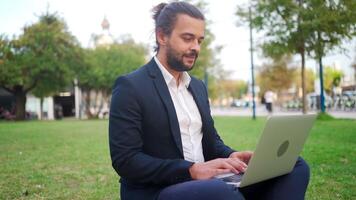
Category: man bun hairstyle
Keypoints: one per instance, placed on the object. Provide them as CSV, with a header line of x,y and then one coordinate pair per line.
x,y
165,16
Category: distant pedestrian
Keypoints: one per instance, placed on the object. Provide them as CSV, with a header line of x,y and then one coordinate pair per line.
x,y
269,98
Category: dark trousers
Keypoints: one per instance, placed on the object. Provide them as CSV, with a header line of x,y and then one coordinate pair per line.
x,y
269,107
290,186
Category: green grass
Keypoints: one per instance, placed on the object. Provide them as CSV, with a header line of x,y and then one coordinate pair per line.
x,y
70,159
324,116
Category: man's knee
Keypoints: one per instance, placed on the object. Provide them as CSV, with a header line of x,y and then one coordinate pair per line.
x,y
303,167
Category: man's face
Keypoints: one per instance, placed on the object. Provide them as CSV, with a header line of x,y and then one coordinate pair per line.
x,y
183,44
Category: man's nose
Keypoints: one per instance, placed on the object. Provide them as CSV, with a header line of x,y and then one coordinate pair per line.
x,y
196,46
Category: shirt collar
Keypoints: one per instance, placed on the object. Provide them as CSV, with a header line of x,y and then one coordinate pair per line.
x,y
168,77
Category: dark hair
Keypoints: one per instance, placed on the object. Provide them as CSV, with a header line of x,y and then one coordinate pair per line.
x,y
165,16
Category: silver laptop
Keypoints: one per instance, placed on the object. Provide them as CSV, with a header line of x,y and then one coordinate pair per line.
x,y
277,151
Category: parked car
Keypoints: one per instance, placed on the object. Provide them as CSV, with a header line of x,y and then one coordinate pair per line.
x,y
239,103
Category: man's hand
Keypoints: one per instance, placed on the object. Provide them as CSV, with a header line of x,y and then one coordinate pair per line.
x,y
244,156
215,167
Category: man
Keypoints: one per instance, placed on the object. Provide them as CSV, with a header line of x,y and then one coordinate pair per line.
x,y
163,142
269,98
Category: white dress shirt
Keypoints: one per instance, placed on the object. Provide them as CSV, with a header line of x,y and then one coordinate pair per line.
x,y
188,115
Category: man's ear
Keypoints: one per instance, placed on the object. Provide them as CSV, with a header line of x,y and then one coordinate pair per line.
x,y
161,37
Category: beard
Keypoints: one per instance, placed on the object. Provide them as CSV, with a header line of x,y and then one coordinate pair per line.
x,y
175,59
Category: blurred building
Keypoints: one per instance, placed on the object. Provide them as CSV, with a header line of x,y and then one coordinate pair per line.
x,y
104,38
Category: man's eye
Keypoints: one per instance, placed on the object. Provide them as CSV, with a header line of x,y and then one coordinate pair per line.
x,y
187,39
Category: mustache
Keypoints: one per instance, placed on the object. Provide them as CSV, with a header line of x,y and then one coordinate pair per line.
x,y
191,54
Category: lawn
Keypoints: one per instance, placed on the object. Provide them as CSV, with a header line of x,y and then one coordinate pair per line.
x,y
70,159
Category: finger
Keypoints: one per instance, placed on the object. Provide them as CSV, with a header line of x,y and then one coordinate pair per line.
x,y
238,164
248,156
224,164
238,161
245,157
221,171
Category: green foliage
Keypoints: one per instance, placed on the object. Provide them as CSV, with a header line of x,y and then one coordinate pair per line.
x,y
6,54
39,60
279,20
332,78
216,74
277,75
291,26
329,23
241,89
104,64
41,54
207,60
282,22
309,80
232,88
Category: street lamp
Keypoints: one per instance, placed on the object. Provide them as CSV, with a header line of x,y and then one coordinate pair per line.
x,y
252,68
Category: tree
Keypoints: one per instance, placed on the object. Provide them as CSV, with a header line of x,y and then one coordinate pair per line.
x,y
41,57
332,79
283,24
309,80
103,65
216,75
207,63
276,75
295,26
280,76
333,22
233,88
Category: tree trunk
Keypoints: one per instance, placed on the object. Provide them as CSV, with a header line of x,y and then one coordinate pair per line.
x,y
354,65
20,96
304,100
96,106
301,50
101,104
87,103
41,109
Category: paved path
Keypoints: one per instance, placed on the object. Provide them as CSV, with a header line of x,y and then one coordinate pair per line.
x,y
261,111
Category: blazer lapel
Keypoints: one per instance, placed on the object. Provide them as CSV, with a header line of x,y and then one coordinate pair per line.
x,y
165,96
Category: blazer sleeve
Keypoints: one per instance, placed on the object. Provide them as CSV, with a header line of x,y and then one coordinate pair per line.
x,y
126,144
220,149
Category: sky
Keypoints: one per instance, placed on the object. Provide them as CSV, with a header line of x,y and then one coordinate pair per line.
x,y
133,17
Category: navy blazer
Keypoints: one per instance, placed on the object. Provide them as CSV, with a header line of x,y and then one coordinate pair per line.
x,y
144,135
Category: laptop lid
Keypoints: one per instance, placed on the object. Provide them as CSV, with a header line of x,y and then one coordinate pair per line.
x,y
278,149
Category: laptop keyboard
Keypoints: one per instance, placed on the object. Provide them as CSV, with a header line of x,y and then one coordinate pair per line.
x,y
233,178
